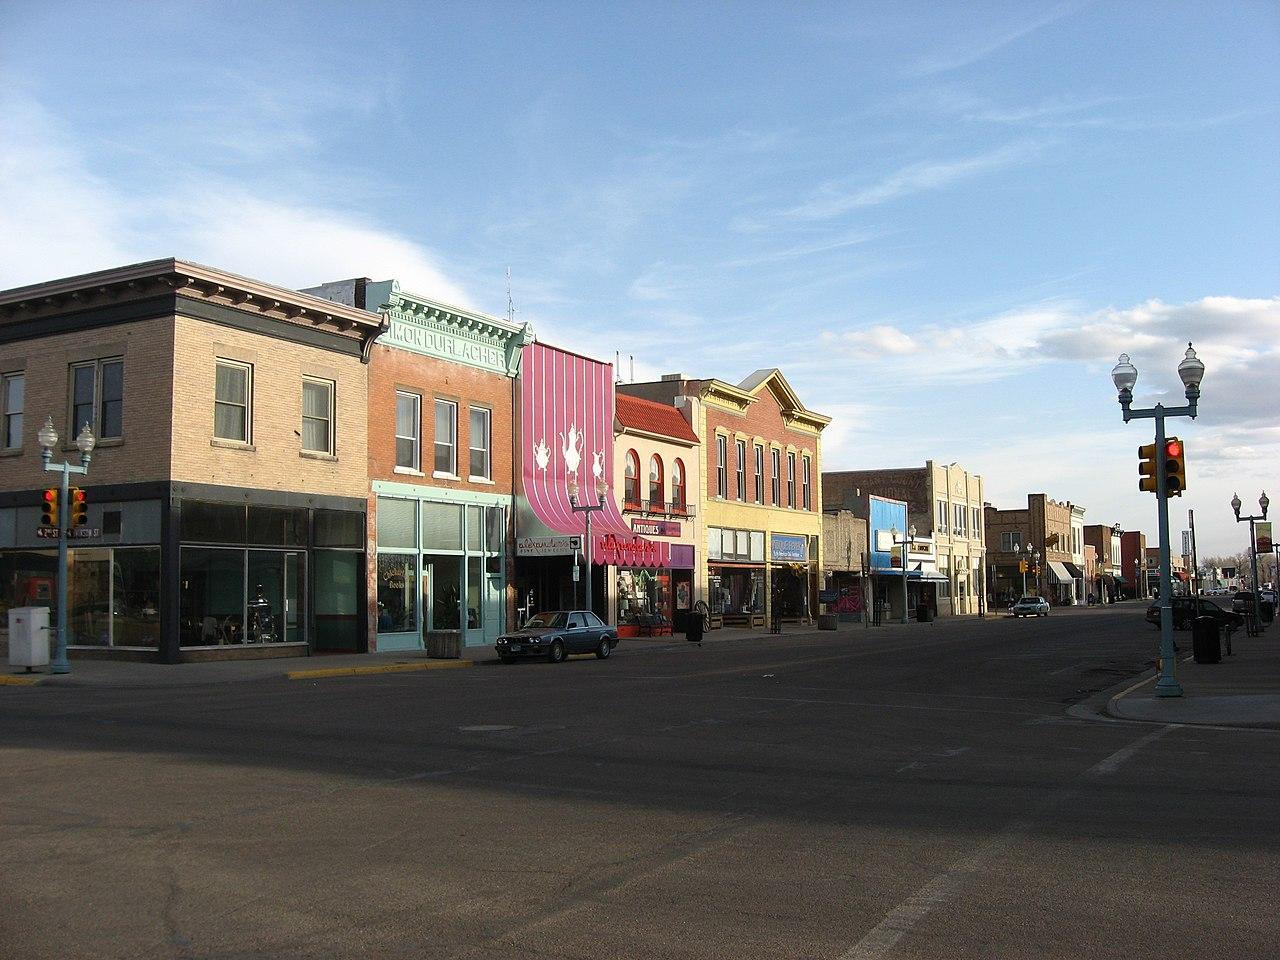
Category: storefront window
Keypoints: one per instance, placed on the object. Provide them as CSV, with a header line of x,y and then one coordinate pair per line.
x,y
212,583
273,609
441,526
475,593
739,591
89,598
397,593
336,599
340,528
475,529
277,526
497,534
397,522
446,591
29,578
135,586
204,522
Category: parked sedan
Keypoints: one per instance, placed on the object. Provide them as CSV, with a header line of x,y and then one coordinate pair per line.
x,y
1030,607
1186,609
555,634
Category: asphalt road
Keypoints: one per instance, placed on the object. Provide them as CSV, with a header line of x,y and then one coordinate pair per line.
x,y
907,792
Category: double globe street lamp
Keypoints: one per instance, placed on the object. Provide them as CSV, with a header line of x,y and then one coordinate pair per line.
x,y
1125,375
905,543
1263,502
48,439
1032,561
602,491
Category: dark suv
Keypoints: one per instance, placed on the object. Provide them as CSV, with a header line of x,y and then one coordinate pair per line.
x,y
1186,609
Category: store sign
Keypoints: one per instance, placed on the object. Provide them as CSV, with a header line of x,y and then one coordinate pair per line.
x,y
612,550
548,546
421,336
656,528
789,548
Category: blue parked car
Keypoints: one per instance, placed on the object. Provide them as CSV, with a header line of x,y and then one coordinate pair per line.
x,y
555,634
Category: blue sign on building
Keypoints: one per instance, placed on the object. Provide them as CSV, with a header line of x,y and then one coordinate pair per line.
x,y
885,516
789,548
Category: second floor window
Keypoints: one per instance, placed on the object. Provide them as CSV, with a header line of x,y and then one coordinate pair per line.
x,y
97,398
722,469
759,477
408,407
317,416
479,443
631,480
1010,541
446,437
12,398
232,392
791,479
959,520
777,478
655,481
977,525
805,484
677,486
741,450
942,516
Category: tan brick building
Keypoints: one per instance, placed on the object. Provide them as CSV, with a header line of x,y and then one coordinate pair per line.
x,y
227,489
440,469
1045,527
760,460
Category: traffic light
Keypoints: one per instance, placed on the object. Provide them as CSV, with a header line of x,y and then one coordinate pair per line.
x,y
79,509
49,508
1175,468
1147,468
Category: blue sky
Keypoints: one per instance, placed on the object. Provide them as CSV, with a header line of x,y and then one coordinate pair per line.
x,y
943,221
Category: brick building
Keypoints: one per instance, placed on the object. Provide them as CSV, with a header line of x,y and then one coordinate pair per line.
x,y
760,460
1045,526
1133,561
1109,582
440,469
945,502
227,489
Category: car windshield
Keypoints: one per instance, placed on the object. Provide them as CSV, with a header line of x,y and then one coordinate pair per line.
x,y
1029,600
548,620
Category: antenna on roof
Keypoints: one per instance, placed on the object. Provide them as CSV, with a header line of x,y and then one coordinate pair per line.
x,y
511,304
632,358
617,367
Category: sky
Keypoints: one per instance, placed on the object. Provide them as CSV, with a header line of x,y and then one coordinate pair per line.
x,y
942,221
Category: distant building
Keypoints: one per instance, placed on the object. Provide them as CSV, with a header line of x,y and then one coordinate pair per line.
x,y
1046,527
1109,582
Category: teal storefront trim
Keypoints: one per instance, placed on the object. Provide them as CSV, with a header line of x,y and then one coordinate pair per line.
x,y
441,564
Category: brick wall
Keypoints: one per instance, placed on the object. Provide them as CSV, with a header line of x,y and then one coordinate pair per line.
x,y
391,369
274,459
910,484
143,453
762,421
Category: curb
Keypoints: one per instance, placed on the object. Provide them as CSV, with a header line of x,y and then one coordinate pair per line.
x,y
326,672
8,680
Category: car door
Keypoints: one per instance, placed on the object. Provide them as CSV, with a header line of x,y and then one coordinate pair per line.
x,y
596,630
575,633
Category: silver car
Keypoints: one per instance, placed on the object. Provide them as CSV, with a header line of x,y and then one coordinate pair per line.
x,y
1030,607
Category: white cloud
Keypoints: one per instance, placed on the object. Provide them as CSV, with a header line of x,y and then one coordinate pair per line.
x,y
58,217
834,199
971,46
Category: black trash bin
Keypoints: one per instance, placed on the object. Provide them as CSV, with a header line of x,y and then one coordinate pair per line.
x,y
924,613
1206,640
1266,611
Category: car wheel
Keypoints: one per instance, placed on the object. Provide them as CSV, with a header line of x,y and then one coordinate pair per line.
x,y
557,652
604,650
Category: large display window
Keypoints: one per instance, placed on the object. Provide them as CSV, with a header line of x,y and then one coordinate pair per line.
x,y
644,602
232,596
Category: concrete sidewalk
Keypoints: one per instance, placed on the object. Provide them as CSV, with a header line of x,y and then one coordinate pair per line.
x,y
121,674
1241,691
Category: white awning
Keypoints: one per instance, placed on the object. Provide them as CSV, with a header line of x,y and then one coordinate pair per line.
x,y
1059,573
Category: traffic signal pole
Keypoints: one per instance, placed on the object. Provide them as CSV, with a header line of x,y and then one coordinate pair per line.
x,y
1167,685
60,663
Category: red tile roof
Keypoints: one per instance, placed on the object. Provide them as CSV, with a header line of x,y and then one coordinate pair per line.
x,y
636,413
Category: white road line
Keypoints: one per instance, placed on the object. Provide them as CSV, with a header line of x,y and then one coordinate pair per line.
x,y
881,939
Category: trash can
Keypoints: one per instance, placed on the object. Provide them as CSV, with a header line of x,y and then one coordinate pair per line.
x,y
1266,610
1206,642
924,614
827,621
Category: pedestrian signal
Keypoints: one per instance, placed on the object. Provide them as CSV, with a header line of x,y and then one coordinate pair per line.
x,y
79,509
1175,468
1147,468
49,508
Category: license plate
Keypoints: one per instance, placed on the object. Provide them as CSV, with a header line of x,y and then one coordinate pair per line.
x,y
515,648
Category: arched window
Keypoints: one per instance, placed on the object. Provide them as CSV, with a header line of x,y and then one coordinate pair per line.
x,y
677,486
655,482
631,490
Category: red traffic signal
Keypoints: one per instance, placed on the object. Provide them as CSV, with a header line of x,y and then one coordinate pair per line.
x,y
79,509
1175,467
49,508
1173,447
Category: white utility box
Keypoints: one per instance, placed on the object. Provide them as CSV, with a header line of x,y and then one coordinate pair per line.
x,y
29,637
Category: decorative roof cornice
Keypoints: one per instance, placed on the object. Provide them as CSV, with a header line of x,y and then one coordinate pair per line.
x,y
191,280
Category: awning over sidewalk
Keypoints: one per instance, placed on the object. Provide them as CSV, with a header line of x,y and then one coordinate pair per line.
x,y
1076,572
1059,573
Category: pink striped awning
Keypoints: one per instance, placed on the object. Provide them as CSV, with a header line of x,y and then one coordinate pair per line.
x,y
566,439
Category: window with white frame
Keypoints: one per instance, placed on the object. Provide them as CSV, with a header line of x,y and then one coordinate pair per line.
x,y
446,442
805,486
232,396
791,480
97,398
759,477
1010,540
722,469
12,401
317,415
740,448
479,443
977,524
942,516
777,478
408,437
958,513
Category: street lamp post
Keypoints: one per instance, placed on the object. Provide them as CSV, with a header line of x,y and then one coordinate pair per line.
x,y
1263,502
602,490
1125,376
905,543
48,438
